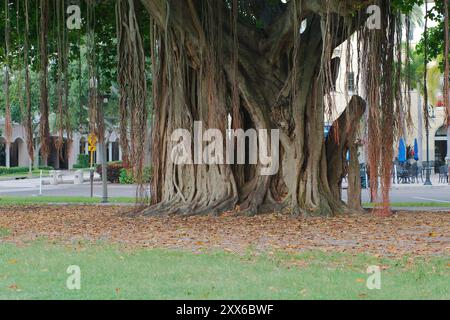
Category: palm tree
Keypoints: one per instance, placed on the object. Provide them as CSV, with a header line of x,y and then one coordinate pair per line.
x,y
415,75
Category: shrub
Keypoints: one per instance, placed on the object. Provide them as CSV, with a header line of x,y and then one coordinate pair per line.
x,y
13,170
82,161
19,170
113,170
126,176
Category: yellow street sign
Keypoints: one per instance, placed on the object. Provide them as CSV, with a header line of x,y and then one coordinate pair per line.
x,y
92,140
92,148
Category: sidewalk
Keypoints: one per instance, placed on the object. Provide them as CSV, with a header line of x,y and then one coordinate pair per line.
x,y
420,184
434,181
33,183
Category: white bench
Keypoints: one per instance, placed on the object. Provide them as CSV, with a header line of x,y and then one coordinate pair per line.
x,y
56,177
79,177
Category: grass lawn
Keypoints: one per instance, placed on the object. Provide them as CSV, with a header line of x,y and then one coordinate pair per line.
x,y
11,200
17,201
37,270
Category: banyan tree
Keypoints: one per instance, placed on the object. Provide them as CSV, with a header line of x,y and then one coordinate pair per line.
x,y
229,66
270,65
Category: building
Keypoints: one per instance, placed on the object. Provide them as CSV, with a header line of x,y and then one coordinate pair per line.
x,y
15,153
348,85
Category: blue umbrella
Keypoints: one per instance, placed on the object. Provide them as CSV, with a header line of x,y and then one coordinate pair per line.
x,y
402,151
416,150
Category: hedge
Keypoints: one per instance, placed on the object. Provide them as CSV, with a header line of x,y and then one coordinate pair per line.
x,y
15,170
82,162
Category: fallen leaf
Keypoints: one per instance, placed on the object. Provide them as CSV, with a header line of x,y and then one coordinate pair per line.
x,y
14,287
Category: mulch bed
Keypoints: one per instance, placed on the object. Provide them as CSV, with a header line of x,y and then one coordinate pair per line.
x,y
405,233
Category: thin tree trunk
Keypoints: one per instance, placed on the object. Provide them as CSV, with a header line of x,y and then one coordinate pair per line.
x,y
28,116
8,123
44,128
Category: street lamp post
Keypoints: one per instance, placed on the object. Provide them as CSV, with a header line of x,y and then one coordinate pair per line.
x,y
425,93
428,168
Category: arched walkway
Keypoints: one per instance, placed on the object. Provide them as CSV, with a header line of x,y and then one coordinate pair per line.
x,y
58,160
2,152
18,156
440,145
82,148
112,148
15,153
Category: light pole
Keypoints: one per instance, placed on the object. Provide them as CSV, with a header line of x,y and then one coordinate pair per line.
x,y
428,168
425,93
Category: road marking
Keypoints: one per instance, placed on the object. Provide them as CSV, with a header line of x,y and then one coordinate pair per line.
x,y
434,200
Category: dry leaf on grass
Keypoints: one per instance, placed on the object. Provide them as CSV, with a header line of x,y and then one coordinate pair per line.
x,y
417,234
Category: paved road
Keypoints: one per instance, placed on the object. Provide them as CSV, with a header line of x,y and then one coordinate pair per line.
x,y
438,193
30,187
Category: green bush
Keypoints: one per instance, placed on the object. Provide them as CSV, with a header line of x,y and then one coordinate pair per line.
x,y
20,170
82,162
126,176
13,170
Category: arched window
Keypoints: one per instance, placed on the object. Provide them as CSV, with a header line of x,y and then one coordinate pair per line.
x,y
441,132
83,146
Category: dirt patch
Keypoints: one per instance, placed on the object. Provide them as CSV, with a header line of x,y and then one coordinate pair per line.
x,y
418,234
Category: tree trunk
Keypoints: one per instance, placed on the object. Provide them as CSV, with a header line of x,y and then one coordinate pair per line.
x,y
354,180
193,82
28,121
446,78
342,139
44,130
8,122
